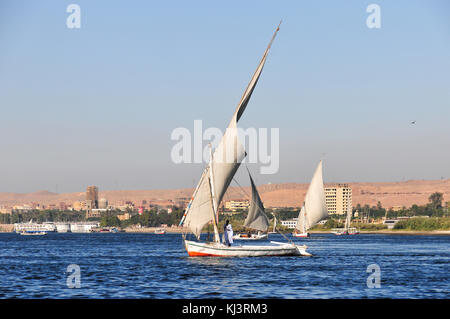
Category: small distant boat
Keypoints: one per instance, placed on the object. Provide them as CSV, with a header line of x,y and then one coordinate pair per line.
x,y
250,236
347,230
33,233
339,231
314,207
159,231
343,231
300,235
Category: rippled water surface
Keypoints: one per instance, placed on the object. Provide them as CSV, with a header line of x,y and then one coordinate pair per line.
x,y
156,266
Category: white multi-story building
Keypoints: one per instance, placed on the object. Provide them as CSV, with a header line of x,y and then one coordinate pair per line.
x,y
235,205
338,199
290,223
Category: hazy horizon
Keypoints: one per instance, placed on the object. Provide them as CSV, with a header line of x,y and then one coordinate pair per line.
x,y
232,185
97,105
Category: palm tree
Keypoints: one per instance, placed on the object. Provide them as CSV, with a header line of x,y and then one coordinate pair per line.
x,y
436,200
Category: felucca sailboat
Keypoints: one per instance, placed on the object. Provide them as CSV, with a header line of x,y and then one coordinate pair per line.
x,y
314,208
347,230
256,217
213,184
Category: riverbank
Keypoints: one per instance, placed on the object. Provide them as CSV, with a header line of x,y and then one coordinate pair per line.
x,y
169,230
393,232
8,228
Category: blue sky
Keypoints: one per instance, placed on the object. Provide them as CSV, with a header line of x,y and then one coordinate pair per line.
x,y
97,105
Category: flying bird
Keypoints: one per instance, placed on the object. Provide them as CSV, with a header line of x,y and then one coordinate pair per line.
x,y
413,122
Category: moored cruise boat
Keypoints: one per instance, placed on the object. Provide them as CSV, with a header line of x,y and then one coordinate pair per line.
x,y
83,227
62,227
31,227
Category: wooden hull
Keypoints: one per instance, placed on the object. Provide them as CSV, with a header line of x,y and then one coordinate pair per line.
x,y
201,249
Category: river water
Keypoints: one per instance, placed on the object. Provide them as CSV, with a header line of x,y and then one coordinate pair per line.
x,y
125,265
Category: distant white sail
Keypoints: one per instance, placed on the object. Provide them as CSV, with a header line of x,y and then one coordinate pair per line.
x,y
348,218
302,226
256,217
314,209
225,161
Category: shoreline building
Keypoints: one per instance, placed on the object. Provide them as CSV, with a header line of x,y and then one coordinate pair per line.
x,y
290,223
92,195
338,199
235,205
92,202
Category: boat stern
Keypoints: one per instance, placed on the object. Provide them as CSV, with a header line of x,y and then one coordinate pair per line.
x,y
302,250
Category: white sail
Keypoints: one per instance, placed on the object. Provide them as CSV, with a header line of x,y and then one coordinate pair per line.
x,y
314,208
348,217
256,217
225,162
301,221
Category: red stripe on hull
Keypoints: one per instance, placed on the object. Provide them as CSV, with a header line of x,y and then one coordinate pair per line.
x,y
197,254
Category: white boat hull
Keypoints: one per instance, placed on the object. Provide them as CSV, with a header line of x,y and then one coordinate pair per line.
x,y
202,249
342,231
252,237
33,233
300,235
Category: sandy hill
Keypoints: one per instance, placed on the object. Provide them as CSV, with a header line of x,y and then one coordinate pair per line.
x,y
274,195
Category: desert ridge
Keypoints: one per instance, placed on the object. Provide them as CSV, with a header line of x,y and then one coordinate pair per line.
x,y
389,194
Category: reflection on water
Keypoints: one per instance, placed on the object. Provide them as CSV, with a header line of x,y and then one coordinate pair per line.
x,y
154,266
210,261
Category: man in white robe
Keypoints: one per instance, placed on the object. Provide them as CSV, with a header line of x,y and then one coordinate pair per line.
x,y
228,233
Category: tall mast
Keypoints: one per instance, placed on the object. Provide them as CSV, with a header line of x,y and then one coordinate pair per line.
x,y
304,218
213,196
